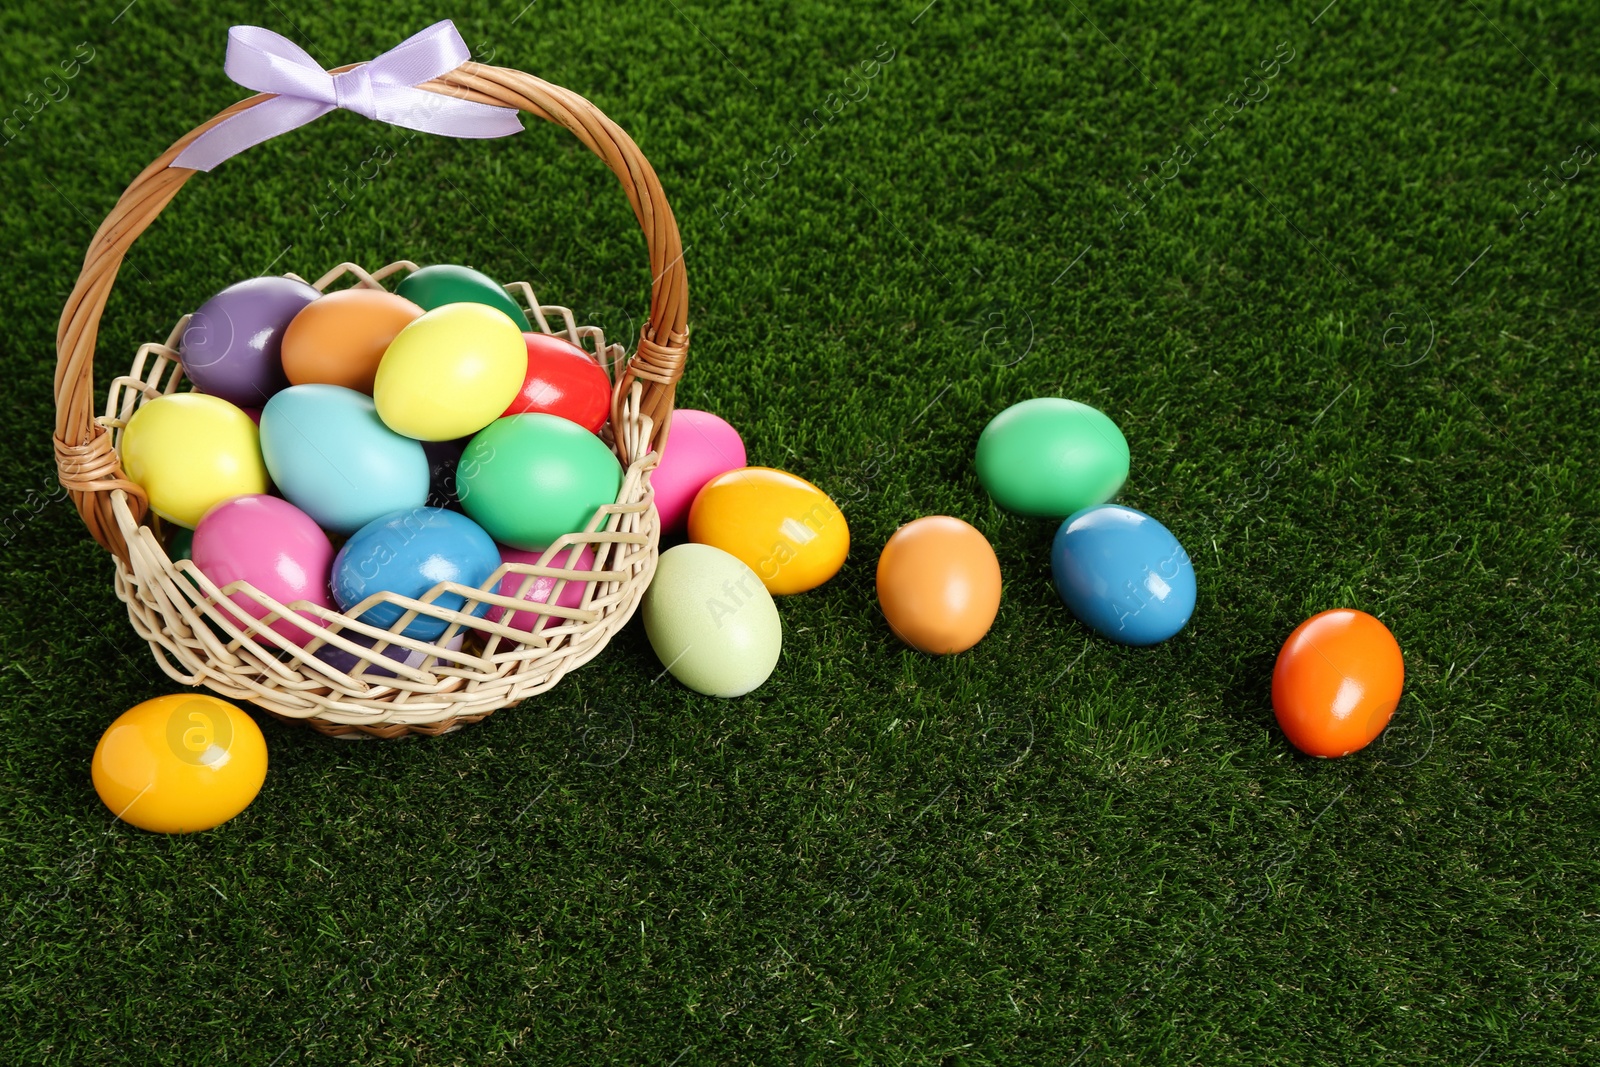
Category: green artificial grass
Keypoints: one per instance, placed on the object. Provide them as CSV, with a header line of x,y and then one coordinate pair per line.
x,y
1351,349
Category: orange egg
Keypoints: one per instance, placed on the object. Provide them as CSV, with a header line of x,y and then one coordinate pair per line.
x,y
939,584
1337,682
340,338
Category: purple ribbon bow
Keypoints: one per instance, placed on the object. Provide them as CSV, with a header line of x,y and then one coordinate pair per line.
x,y
384,89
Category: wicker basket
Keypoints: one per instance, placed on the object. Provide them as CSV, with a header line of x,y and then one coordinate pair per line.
x,y
198,634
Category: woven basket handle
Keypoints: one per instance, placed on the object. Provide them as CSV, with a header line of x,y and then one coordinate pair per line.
x,y
87,465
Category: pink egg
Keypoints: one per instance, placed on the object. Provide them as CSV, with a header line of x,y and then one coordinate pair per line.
x,y
275,547
699,447
539,592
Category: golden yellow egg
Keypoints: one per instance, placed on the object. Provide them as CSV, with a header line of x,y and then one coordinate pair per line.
x,y
784,528
180,763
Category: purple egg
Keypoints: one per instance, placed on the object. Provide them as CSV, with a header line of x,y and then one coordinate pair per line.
x,y
340,660
232,345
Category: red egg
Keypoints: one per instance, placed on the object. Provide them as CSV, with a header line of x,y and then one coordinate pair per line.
x,y
563,380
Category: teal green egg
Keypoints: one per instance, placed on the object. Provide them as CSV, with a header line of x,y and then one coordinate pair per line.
x,y
1051,457
444,283
530,478
711,621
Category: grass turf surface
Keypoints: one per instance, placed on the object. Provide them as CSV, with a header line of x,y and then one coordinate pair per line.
x,y
1352,371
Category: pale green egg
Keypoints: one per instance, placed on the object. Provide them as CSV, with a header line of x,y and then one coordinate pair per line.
x,y
711,621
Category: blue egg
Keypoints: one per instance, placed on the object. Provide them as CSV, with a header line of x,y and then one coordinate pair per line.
x,y
332,457
409,552
1123,574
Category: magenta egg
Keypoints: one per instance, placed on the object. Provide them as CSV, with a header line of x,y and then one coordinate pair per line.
x,y
699,447
275,547
578,557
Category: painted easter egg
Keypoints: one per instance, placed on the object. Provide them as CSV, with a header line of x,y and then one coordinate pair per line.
x,y
699,447
528,479
1123,574
1051,457
334,459
711,622
358,668
939,584
408,553
1337,681
232,346
180,763
450,373
784,528
340,339
537,589
191,451
562,379
443,283
274,546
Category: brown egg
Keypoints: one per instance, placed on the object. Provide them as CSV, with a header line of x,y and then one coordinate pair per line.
x,y
339,338
939,584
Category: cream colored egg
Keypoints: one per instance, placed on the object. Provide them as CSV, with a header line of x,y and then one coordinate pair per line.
x,y
711,621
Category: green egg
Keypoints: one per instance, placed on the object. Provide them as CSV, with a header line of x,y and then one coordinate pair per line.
x,y
1051,457
442,284
711,622
530,478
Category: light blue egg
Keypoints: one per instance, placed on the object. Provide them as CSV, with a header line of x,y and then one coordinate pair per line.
x,y
1123,574
332,457
409,552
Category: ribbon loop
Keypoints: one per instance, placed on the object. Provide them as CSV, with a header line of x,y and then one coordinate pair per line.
x,y
384,89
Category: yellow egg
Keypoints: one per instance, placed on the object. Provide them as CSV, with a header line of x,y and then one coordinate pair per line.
x,y
189,451
784,528
180,763
450,373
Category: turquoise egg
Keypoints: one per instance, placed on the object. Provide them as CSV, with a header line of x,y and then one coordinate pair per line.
x,y
1051,457
332,457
